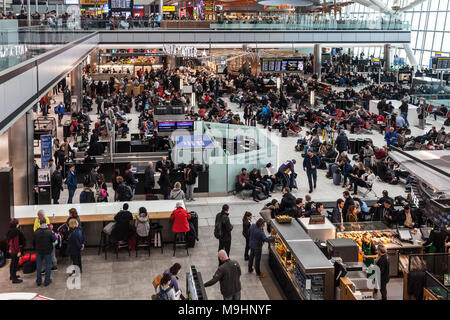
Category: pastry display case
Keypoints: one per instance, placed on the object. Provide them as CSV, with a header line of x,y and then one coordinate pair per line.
x,y
298,264
379,233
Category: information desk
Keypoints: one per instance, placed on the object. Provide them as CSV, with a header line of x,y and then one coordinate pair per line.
x,y
94,216
301,268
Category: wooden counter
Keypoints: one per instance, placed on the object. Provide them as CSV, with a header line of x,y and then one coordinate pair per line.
x,y
94,212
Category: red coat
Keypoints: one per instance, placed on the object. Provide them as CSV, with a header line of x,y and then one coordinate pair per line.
x,y
180,218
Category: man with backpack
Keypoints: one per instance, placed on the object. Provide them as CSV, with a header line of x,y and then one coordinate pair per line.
x,y
222,229
87,195
124,191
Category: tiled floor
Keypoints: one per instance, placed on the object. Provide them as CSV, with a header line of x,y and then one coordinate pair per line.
x,y
131,277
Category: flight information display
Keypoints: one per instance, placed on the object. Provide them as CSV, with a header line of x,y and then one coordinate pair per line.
x,y
282,64
118,4
441,63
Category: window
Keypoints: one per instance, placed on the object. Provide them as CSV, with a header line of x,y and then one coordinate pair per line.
x,y
437,41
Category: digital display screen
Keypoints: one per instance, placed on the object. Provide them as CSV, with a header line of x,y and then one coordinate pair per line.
x,y
186,125
166,126
118,4
404,77
282,64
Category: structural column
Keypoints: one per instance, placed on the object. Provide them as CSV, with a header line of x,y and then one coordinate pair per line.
x,y
317,60
77,86
387,57
29,12
21,158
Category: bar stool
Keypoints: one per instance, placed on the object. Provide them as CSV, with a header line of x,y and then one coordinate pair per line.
x,y
142,242
180,239
120,245
104,243
156,236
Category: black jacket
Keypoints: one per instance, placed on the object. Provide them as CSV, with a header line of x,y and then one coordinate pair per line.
x,y
336,216
383,264
245,228
342,143
57,181
229,274
122,226
191,176
43,239
226,226
149,178
288,202
309,162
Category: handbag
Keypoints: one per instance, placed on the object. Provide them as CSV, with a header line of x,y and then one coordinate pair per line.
x,y
109,228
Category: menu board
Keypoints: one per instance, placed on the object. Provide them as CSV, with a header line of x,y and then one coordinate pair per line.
x,y
119,4
282,64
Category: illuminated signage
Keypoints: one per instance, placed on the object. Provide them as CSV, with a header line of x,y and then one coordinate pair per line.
x,y
182,51
168,8
94,2
12,50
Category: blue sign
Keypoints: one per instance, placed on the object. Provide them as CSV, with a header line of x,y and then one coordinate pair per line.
x,y
194,141
105,7
46,150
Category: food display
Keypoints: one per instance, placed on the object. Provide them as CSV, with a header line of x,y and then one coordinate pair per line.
x,y
376,237
298,264
283,219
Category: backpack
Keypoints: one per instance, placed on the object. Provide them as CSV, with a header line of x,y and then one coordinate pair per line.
x,y
162,294
261,195
218,226
87,179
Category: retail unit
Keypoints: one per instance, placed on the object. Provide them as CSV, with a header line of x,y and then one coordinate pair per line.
x,y
378,232
301,268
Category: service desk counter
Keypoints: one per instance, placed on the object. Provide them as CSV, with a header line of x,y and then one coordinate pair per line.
x,y
378,232
301,268
94,216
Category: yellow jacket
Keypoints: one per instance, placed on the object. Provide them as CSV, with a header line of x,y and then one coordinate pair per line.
x,y
37,223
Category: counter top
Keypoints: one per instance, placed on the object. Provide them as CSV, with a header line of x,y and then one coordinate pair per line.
x,y
309,255
290,231
305,223
92,212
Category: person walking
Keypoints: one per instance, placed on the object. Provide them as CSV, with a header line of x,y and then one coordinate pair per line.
x,y
310,165
75,243
222,229
341,142
229,276
149,179
16,242
71,182
246,223
383,263
404,107
257,239
43,239
57,184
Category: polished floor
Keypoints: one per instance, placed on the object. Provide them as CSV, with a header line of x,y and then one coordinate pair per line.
x,y
131,277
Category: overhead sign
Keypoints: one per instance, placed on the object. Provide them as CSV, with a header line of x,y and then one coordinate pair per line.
x,y
168,8
189,52
282,64
46,150
94,2
440,63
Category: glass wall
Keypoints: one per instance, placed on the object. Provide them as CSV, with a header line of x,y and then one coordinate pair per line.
x,y
430,28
